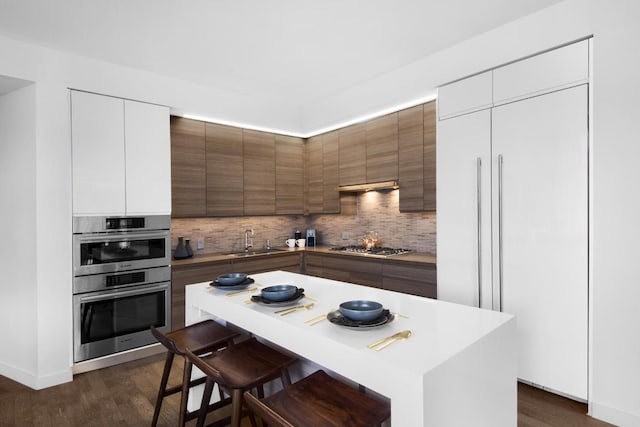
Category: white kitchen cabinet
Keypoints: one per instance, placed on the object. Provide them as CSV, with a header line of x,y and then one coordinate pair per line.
x,y
121,156
97,135
465,96
557,69
540,234
148,158
463,217
523,248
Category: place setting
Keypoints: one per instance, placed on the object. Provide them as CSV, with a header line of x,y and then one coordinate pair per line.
x,y
279,296
237,282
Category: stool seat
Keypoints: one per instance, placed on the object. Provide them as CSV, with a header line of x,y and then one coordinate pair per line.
x,y
238,368
201,338
320,401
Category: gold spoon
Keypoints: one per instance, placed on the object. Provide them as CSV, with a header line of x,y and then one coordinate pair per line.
x,y
293,309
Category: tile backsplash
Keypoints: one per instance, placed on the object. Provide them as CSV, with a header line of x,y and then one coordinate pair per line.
x,y
377,211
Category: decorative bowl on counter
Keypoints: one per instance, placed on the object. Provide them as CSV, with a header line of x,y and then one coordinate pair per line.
x,y
279,292
231,279
361,310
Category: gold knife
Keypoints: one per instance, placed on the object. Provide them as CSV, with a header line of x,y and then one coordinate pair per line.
x,y
402,335
391,337
316,319
233,294
293,309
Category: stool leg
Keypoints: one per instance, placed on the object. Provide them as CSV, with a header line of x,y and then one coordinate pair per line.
x,y
206,398
184,396
236,407
163,386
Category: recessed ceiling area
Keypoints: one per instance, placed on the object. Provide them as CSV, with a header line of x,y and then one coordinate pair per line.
x,y
291,51
9,84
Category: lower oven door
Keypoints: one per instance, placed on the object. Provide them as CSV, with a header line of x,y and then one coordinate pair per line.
x,y
112,321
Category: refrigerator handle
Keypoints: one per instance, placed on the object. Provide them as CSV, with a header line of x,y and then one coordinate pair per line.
x,y
500,251
479,214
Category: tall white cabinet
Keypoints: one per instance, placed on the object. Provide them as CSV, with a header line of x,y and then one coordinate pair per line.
x,y
121,156
512,197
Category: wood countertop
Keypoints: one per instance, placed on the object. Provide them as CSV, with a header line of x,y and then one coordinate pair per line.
x,y
412,257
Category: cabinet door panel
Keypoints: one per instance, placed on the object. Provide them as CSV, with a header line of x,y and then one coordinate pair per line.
x,y
542,235
429,161
314,175
411,159
353,155
225,170
559,68
465,96
97,131
259,173
464,268
330,172
148,154
289,175
188,168
382,148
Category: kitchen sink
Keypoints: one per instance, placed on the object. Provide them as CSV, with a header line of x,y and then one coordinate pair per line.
x,y
257,252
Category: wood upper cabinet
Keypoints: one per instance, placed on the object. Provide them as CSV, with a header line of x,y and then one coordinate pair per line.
x,y
330,172
259,173
411,159
314,175
289,175
352,154
188,168
417,158
382,148
429,163
225,170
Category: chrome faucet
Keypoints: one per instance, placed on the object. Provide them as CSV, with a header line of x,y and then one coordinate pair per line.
x,y
248,241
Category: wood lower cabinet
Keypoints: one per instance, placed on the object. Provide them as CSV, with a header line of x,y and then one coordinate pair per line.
x,y
225,170
188,168
406,277
188,274
415,279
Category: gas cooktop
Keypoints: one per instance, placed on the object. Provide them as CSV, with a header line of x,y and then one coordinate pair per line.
x,y
381,252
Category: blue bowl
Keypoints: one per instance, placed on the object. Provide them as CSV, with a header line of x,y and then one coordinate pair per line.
x,y
279,292
361,310
231,279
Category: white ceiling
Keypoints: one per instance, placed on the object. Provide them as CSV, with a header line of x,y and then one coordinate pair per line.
x,y
292,51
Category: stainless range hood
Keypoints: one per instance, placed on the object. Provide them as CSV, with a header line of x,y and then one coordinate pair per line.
x,y
370,186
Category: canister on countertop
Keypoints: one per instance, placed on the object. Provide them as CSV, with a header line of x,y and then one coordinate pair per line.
x,y
297,235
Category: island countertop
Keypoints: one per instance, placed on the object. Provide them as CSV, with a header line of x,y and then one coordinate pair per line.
x,y
457,356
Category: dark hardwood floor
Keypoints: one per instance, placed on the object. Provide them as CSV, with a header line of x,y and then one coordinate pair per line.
x,y
124,395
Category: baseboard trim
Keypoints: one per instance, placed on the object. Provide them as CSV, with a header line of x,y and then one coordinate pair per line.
x,y
613,415
33,381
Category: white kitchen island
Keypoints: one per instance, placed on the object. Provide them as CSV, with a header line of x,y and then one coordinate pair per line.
x,y
458,368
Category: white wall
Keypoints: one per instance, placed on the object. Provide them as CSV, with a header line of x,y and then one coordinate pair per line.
x,y
615,375
18,286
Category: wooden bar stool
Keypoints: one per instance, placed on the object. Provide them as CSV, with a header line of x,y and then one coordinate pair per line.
x,y
240,368
201,338
319,401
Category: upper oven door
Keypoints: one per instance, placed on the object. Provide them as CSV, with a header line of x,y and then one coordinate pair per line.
x,y
110,252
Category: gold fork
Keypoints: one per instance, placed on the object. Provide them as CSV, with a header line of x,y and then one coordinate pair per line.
x,y
384,342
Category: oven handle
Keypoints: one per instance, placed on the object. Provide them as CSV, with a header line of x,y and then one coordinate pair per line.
x,y
119,293
120,236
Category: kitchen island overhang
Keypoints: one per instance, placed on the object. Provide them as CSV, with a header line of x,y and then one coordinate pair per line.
x,y
458,368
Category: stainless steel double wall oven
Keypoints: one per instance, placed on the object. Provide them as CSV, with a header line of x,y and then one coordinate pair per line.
x,y
121,284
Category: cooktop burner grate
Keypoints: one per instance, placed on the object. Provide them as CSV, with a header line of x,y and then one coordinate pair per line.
x,y
382,251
